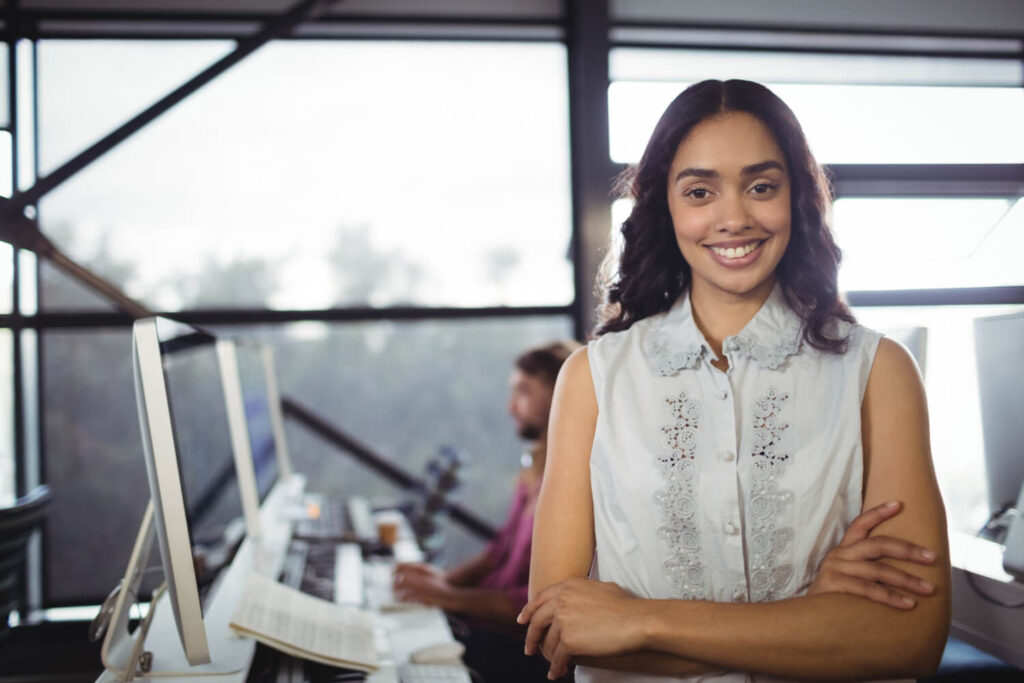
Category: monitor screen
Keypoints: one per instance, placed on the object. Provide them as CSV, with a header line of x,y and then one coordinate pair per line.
x,y
201,433
257,416
999,349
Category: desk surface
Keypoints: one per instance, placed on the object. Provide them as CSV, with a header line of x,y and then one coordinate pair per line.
x,y
977,572
399,633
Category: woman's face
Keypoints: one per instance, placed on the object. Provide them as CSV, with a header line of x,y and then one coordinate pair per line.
x,y
728,195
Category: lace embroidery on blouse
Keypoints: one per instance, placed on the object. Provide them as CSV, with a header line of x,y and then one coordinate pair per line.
x,y
677,499
666,361
769,575
770,356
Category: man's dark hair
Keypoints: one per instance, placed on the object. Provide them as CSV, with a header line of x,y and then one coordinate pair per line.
x,y
545,361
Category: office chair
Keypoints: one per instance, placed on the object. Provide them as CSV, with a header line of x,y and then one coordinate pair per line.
x,y
16,526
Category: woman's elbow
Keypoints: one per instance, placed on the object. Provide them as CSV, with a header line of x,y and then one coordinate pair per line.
x,y
927,642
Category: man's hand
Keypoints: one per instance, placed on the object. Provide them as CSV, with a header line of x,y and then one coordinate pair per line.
x,y
423,583
853,566
581,617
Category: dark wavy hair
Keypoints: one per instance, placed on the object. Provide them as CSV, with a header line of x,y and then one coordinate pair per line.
x,y
651,273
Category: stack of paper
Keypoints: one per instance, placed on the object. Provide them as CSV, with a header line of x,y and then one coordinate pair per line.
x,y
306,627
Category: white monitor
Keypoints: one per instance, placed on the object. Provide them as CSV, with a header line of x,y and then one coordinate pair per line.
x,y
189,461
284,462
999,351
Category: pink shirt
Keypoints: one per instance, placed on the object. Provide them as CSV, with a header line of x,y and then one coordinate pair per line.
x,y
510,550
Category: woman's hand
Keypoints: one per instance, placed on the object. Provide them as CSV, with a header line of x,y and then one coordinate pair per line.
x,y
853,567
580,617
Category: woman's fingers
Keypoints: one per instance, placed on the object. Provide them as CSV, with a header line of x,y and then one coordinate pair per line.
x,y
541,617
873,591
559,660
879,572
877,547
868,520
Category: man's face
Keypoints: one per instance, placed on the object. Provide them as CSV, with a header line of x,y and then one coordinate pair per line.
x,y
529,404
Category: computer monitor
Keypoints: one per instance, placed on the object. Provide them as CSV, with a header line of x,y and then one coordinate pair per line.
x,y
189,460
999,350
256,399
284,462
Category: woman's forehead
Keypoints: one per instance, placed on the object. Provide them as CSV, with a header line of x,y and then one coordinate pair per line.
x,y
724,141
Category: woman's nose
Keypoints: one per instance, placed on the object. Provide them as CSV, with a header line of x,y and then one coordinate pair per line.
x,y
733,217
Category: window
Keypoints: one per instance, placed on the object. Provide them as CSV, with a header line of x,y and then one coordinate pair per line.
x,y
317,174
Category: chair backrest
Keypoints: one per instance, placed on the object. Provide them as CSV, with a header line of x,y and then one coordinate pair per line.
x,y
17,523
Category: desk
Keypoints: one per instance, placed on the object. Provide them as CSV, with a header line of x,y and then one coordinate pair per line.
x,y
398,634
994,629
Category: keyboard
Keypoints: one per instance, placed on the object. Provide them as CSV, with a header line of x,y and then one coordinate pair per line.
x,y
339,520
433,673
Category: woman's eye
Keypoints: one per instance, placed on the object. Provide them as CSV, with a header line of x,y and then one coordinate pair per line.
x,y
763,188
697,193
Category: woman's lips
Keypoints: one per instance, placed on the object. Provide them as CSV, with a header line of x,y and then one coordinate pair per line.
x,y
735,255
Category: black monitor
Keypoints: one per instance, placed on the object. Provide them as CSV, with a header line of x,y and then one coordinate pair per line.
x,y
202,438
999,350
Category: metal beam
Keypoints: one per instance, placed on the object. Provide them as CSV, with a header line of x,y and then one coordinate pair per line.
x,y
272,29
592,170
960,296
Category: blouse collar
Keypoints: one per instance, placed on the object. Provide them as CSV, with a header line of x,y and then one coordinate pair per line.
x,y
675,343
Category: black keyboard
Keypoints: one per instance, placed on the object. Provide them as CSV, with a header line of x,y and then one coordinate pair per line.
x,y
332,524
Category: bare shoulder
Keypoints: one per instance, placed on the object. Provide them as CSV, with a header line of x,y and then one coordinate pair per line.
x,y
894,374
575,386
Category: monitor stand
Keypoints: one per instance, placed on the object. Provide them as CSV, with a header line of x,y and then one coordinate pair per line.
x,y
124,654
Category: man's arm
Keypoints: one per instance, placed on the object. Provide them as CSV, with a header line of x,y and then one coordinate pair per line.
x,y
825,636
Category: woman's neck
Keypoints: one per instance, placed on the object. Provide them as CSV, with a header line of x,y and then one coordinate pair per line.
x,y
720,314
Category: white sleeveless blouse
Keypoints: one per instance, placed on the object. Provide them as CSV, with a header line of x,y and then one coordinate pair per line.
x,y
723,486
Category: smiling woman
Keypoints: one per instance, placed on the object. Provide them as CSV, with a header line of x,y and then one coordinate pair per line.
x,y
733,436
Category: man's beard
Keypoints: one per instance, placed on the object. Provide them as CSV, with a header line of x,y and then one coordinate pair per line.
x,y
530,432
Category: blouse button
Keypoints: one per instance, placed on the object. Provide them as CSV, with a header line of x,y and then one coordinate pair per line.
x,y
731,529
723,394
727,456
732,345
739,595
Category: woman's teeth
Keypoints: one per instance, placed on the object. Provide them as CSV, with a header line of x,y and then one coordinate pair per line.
x,y
736,252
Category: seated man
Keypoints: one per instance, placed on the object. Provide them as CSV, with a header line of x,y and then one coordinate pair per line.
x,y
491,588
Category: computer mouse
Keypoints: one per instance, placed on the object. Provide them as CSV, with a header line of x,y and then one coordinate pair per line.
x,y
439,653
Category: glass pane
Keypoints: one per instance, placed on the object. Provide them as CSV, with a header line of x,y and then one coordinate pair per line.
x,y
5,104
923,243
88,88
857,124
405,389
7,469
26,115
331,173
93,462
6,162
666,64
951,383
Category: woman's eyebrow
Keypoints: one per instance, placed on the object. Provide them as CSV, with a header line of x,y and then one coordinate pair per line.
x,y
746,170
698,172
762,167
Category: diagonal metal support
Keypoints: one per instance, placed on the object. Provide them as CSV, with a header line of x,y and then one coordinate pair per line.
x,y
272,29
